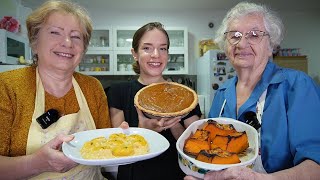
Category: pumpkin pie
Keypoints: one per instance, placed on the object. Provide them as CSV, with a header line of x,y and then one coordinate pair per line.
x,y
166,99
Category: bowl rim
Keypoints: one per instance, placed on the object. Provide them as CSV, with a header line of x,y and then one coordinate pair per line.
x,y
216,167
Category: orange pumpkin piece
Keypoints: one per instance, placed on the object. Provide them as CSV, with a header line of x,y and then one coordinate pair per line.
x,y
232,159
234,142
197,142
220,141
238,142
201,135
216,128
218,156
205,156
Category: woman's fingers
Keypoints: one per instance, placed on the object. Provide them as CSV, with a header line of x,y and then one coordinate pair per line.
x,y
124,125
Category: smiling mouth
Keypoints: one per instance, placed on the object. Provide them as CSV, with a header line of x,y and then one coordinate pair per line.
x,y
243,55
154,64
67,55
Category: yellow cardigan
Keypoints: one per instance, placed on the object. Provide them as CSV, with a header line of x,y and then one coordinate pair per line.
x,y
17,100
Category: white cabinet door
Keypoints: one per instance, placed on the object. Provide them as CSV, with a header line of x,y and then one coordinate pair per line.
x,y
122,37
178,61
97,63
98,60
101,39
123,61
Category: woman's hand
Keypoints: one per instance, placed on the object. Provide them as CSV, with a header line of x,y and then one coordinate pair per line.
x,y
124,125
50,158
155,124
233,173
236,173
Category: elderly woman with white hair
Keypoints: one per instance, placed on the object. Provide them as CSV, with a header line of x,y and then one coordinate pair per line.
x,y
282,104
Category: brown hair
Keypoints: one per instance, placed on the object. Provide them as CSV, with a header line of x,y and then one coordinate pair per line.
x,y
39,16
138,35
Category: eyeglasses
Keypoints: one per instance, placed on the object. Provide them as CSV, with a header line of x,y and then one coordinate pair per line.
x,y
251,119
253,37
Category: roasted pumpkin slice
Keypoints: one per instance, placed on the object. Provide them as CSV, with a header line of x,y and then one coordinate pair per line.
x,y
194,146
218,156
205,156
197,142
234,142
201,135
216,128
238,142
220,141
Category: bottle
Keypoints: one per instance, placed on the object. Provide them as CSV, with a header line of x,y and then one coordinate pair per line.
x,y
22,60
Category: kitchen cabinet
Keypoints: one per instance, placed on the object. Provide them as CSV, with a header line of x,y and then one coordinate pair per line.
x,y
178,59
122,38
109,52
123,62
98,60
101,39
293,62
122,41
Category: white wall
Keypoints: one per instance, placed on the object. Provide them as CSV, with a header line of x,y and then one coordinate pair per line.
x,y
8,8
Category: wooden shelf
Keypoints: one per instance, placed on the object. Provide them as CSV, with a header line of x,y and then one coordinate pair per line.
x,y
293,62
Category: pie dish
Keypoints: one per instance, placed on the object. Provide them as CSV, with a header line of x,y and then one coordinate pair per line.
x,y
166,99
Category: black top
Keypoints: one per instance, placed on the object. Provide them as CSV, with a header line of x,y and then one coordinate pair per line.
x,y
164,166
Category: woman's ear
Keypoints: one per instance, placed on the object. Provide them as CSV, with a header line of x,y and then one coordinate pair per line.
x,y
134,54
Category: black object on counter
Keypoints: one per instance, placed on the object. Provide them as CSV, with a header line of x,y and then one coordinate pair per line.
x,y
48,118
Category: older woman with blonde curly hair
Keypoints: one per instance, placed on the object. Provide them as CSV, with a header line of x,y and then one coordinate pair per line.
x,y
59,34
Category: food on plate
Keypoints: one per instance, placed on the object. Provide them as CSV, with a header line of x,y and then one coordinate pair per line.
x,y
218,156
123,150
116,145
234,142
216,128
166,99
197,142
216,143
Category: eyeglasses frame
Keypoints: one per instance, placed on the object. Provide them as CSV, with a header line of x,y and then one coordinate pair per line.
x,y
246,36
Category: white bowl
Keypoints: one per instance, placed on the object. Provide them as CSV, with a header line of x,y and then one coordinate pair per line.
x,y
190,166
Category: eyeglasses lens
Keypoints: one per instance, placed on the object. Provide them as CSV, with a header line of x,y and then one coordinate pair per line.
x,y
253,37
251,119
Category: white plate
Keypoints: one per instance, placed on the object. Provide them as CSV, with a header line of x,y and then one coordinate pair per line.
x,y
190,166
157,145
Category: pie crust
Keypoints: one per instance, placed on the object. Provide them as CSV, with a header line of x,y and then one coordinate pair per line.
x,y
166,99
